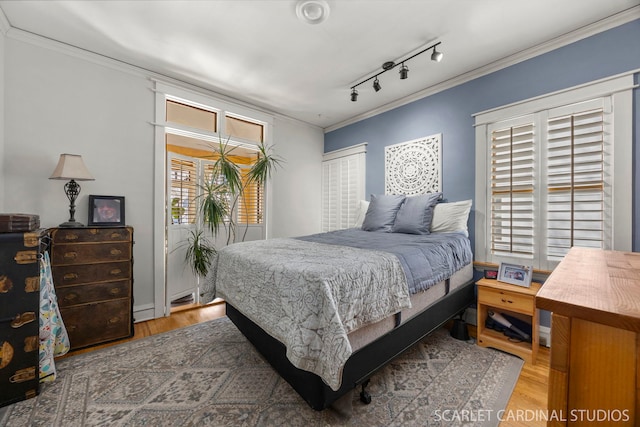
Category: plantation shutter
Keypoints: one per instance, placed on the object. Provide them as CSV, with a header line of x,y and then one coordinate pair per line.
x,y
576,179
183,191
251,202
512,182
330,195
342,188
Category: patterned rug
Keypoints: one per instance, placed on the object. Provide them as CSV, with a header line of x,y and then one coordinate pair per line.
x,y
209,375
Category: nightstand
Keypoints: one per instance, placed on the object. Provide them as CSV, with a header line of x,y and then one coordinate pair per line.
x,y
513,300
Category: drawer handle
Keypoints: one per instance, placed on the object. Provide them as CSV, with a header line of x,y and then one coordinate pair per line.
x,y
506,300
115,235
115,252
114,291
115,272
71,297
70,255
114,320
70,276
70,236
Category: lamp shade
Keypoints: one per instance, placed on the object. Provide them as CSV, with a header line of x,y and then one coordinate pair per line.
x,y
71,166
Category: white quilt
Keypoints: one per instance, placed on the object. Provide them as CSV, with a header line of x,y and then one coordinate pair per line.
x,y
309,296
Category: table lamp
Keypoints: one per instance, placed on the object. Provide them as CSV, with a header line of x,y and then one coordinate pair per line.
x,y
71,167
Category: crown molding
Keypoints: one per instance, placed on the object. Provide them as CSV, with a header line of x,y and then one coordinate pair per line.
x,y
4,22
613,21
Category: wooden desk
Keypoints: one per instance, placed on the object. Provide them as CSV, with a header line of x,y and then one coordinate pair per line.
x,y
594,368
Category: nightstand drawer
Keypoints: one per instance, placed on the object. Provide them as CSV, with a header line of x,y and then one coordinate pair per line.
x,y
507,300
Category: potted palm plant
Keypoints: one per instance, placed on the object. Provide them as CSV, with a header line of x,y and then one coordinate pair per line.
x,y
219,198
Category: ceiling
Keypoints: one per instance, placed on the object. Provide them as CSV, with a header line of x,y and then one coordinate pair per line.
x,y
260,53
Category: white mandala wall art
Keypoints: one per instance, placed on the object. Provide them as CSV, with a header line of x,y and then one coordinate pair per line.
x,y
413,167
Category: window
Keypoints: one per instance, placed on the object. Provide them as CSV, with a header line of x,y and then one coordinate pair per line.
x,y
577,199
550,163
184,181
512,190
343,186
192,116
251,204
191,135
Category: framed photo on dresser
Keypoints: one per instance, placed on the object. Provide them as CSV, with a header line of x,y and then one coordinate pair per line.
x,y
106,210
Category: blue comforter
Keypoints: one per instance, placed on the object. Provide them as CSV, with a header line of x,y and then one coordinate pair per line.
x,y
426,259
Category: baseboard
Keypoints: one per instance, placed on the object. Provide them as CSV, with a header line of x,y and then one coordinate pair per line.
x,y
143,312
545,335
471,317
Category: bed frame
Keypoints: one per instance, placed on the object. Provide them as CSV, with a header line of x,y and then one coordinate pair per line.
x,y
363,363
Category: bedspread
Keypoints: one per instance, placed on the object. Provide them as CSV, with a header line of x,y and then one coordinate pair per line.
x,y
426,258
309,295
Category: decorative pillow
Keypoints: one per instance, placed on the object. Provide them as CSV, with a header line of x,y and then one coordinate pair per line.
x,y
382,212
415,214
451,217
361,211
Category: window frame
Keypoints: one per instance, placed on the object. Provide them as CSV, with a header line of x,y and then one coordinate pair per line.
x,y
618,89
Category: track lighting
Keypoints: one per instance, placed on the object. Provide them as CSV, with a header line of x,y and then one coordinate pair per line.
x,y
376,85
436,56
404,72
389,65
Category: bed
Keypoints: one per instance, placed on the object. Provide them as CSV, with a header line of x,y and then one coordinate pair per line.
x,y
328,310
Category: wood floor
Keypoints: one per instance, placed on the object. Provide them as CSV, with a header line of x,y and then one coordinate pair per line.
x,y
528,401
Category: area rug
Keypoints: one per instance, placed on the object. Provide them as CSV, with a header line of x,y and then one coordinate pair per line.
x,y
210,375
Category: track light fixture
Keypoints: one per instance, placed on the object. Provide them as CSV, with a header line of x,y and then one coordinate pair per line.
x,y
404,72
389,65
376,85
436,56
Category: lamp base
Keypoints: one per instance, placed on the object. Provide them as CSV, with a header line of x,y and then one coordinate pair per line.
x,y
71,224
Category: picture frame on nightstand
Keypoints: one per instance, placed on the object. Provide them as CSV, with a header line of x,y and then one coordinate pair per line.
x,y
515,274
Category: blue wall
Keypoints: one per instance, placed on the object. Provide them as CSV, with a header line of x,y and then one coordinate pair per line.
x,y
450,112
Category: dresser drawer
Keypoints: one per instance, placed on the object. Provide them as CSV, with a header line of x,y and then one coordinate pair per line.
x,y
84,253
91,324
76,235
65,275
507,300
93,292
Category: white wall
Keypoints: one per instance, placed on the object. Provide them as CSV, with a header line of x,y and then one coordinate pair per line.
x,y
59,100
295,190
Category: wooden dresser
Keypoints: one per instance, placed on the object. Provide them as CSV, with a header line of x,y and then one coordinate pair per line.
x,y
93,277
594,372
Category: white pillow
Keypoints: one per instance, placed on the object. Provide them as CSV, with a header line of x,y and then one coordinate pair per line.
x,y
361,211
451,217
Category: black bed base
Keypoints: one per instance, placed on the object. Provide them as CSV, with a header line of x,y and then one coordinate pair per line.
x,y
363,363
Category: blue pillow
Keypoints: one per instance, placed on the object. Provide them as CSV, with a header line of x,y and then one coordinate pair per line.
x,y
415,214
381,213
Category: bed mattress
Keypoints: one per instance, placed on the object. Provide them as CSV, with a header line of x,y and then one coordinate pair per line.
x,y
419,302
